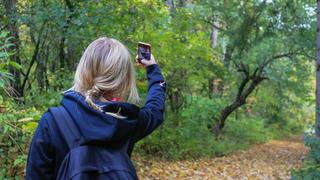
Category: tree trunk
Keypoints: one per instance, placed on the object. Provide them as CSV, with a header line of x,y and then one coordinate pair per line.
x,y
214,34
33,60
182,3
13,28
172,7
317,126
214,83
247,86
47,51
62,53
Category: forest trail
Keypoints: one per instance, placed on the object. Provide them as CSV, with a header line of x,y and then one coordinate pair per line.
x,y
272,160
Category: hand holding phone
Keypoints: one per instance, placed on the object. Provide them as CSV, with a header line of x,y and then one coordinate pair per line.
x,y
145,56
144,51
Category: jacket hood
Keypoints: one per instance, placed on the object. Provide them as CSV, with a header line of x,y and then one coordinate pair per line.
x,y
97,127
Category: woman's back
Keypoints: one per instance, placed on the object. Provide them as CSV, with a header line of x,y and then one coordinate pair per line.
x,y
116,133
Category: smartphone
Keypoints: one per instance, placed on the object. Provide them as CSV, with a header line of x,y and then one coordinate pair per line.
x,y
144,51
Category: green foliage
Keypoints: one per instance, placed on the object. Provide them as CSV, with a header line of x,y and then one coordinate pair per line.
x,y
17,125
311,167
250,32
5,62
51,96
186,135
247,131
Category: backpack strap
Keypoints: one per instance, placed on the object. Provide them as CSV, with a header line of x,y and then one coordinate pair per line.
x,y
65,123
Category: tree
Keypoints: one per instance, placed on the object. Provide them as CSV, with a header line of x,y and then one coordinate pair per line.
x,y
257,40
317,126
13,29
70,15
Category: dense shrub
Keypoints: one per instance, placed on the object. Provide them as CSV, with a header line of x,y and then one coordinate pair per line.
x,y
284,129
247,131
311,167
186,134
17,125
5,63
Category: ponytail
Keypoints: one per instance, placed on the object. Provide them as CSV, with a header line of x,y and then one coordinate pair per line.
x,y
91,95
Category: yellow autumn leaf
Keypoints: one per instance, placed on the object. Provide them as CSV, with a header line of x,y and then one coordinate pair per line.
x,y
30,126
25,119
272,160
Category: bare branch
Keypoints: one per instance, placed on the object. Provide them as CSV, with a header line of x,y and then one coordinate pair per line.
x,y
279,56
212,24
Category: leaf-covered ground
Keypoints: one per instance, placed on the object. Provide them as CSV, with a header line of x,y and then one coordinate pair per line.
x,y
272,160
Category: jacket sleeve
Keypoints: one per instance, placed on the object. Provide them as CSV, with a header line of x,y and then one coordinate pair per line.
x,y
40,163
151,115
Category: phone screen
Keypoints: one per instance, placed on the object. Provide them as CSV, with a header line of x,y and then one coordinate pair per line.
x,y
144,51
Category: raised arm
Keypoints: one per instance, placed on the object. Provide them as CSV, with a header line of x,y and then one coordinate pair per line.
x,y
151,115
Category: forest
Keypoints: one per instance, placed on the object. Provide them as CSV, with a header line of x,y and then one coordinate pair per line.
x,y
240,77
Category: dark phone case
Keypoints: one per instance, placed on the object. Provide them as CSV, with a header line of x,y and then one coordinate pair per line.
x,y
144,52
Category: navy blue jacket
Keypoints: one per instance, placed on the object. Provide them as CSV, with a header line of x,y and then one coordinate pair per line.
x,y
48,147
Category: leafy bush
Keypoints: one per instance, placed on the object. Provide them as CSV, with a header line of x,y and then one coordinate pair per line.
x,y
285,128
5,62
16,128
247,131
52,95
186,134
311,167
47,99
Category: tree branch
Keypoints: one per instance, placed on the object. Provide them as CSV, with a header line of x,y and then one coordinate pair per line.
x,y
34,56
212,24
270,60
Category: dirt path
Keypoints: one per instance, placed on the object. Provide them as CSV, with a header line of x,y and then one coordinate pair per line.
x,y
272,160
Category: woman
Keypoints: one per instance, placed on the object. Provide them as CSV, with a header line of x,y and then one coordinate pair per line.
x,y
100,112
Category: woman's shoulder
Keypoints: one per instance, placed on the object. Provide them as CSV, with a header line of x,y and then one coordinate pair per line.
x,y
46,118
46,122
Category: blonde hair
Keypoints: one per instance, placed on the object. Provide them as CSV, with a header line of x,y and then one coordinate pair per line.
x,y
106,68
